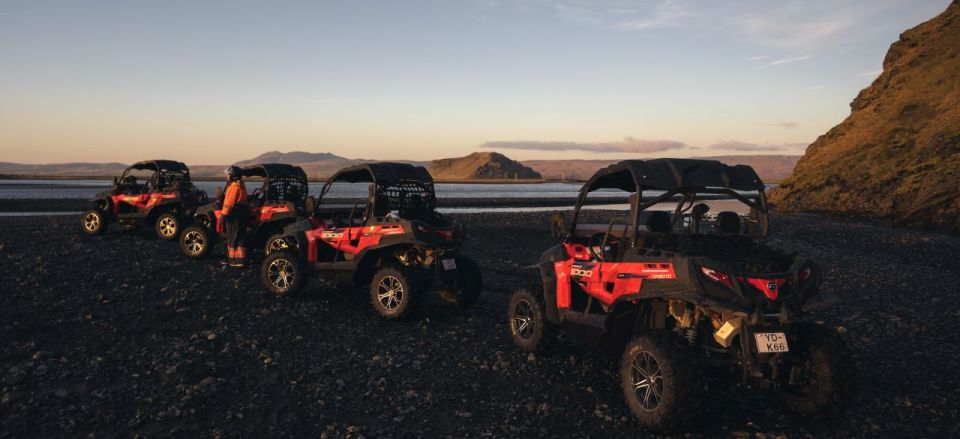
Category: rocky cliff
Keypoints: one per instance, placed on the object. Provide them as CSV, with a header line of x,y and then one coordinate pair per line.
x,y
897,155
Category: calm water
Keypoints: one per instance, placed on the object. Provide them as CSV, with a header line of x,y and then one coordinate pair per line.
x,y
89,188
86,189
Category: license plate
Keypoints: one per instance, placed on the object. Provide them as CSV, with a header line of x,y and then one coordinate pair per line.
x,y
449,264
771,342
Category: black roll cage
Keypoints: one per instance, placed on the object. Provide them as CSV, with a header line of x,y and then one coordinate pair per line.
x,y
279,181
689,195
159,168
395,188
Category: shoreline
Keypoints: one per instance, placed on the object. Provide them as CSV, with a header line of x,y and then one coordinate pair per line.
x,y
80,204
310,179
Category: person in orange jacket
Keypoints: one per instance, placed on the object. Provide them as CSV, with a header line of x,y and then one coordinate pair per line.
x,y
235,212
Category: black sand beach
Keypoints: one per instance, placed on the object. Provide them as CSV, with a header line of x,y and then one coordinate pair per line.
x,y
120,335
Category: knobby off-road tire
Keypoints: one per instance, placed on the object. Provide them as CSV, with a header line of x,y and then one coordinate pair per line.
x,y
197,241
282,273
93,222
275,243
527,321
821,367
467,286
662,382
390,293
167,226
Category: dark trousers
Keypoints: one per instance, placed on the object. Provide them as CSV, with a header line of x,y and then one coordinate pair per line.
x,y
235,225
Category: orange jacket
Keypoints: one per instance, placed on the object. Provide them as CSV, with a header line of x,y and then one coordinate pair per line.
x,y
236,194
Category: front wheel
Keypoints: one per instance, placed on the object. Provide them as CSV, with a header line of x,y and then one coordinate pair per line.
x,y
196,242
94,222
390,293
661,381
282,274
818,372
167,226
276,242
526,315
466,285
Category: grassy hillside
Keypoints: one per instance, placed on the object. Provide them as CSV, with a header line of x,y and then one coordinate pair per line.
x,y
897,156
481,166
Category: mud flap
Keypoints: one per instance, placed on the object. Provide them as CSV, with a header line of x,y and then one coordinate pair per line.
x,y
548,278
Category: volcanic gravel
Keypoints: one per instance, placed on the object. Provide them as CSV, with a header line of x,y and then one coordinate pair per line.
x,y
121,335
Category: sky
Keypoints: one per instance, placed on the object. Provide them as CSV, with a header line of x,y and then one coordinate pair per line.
x,y
213,82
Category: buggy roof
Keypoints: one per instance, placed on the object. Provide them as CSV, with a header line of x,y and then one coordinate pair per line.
x,y
672,174
171,165
382,173
273,170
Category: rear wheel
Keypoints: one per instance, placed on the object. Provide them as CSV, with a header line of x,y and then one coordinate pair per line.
x,y
276,242
661,382
94,222
818,372
282,273
527,317
196,242
167,226
390,293
466,286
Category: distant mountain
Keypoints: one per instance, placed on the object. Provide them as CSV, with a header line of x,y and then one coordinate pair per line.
x,y
476,166
897,155
316,164
293,158
481,166
771,168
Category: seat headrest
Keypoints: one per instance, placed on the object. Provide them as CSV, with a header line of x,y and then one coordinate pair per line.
x,y
727,222
659,222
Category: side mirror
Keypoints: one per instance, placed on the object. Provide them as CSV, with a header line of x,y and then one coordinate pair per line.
x,y
311,203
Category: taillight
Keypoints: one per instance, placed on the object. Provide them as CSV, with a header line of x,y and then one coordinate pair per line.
x,y
716,276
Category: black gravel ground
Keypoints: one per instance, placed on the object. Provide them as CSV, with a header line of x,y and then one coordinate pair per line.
x,y
119,335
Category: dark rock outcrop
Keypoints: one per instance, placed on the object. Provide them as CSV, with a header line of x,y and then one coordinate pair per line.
x,y
897,156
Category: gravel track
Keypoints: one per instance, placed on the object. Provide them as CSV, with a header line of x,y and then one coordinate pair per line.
x,y
120,335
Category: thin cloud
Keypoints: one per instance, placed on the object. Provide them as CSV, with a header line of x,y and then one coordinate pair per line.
x,y
784,125
797,25
628,145
578,14
785,31
816,87
871,74
667,13
734,145
788,60
758,58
